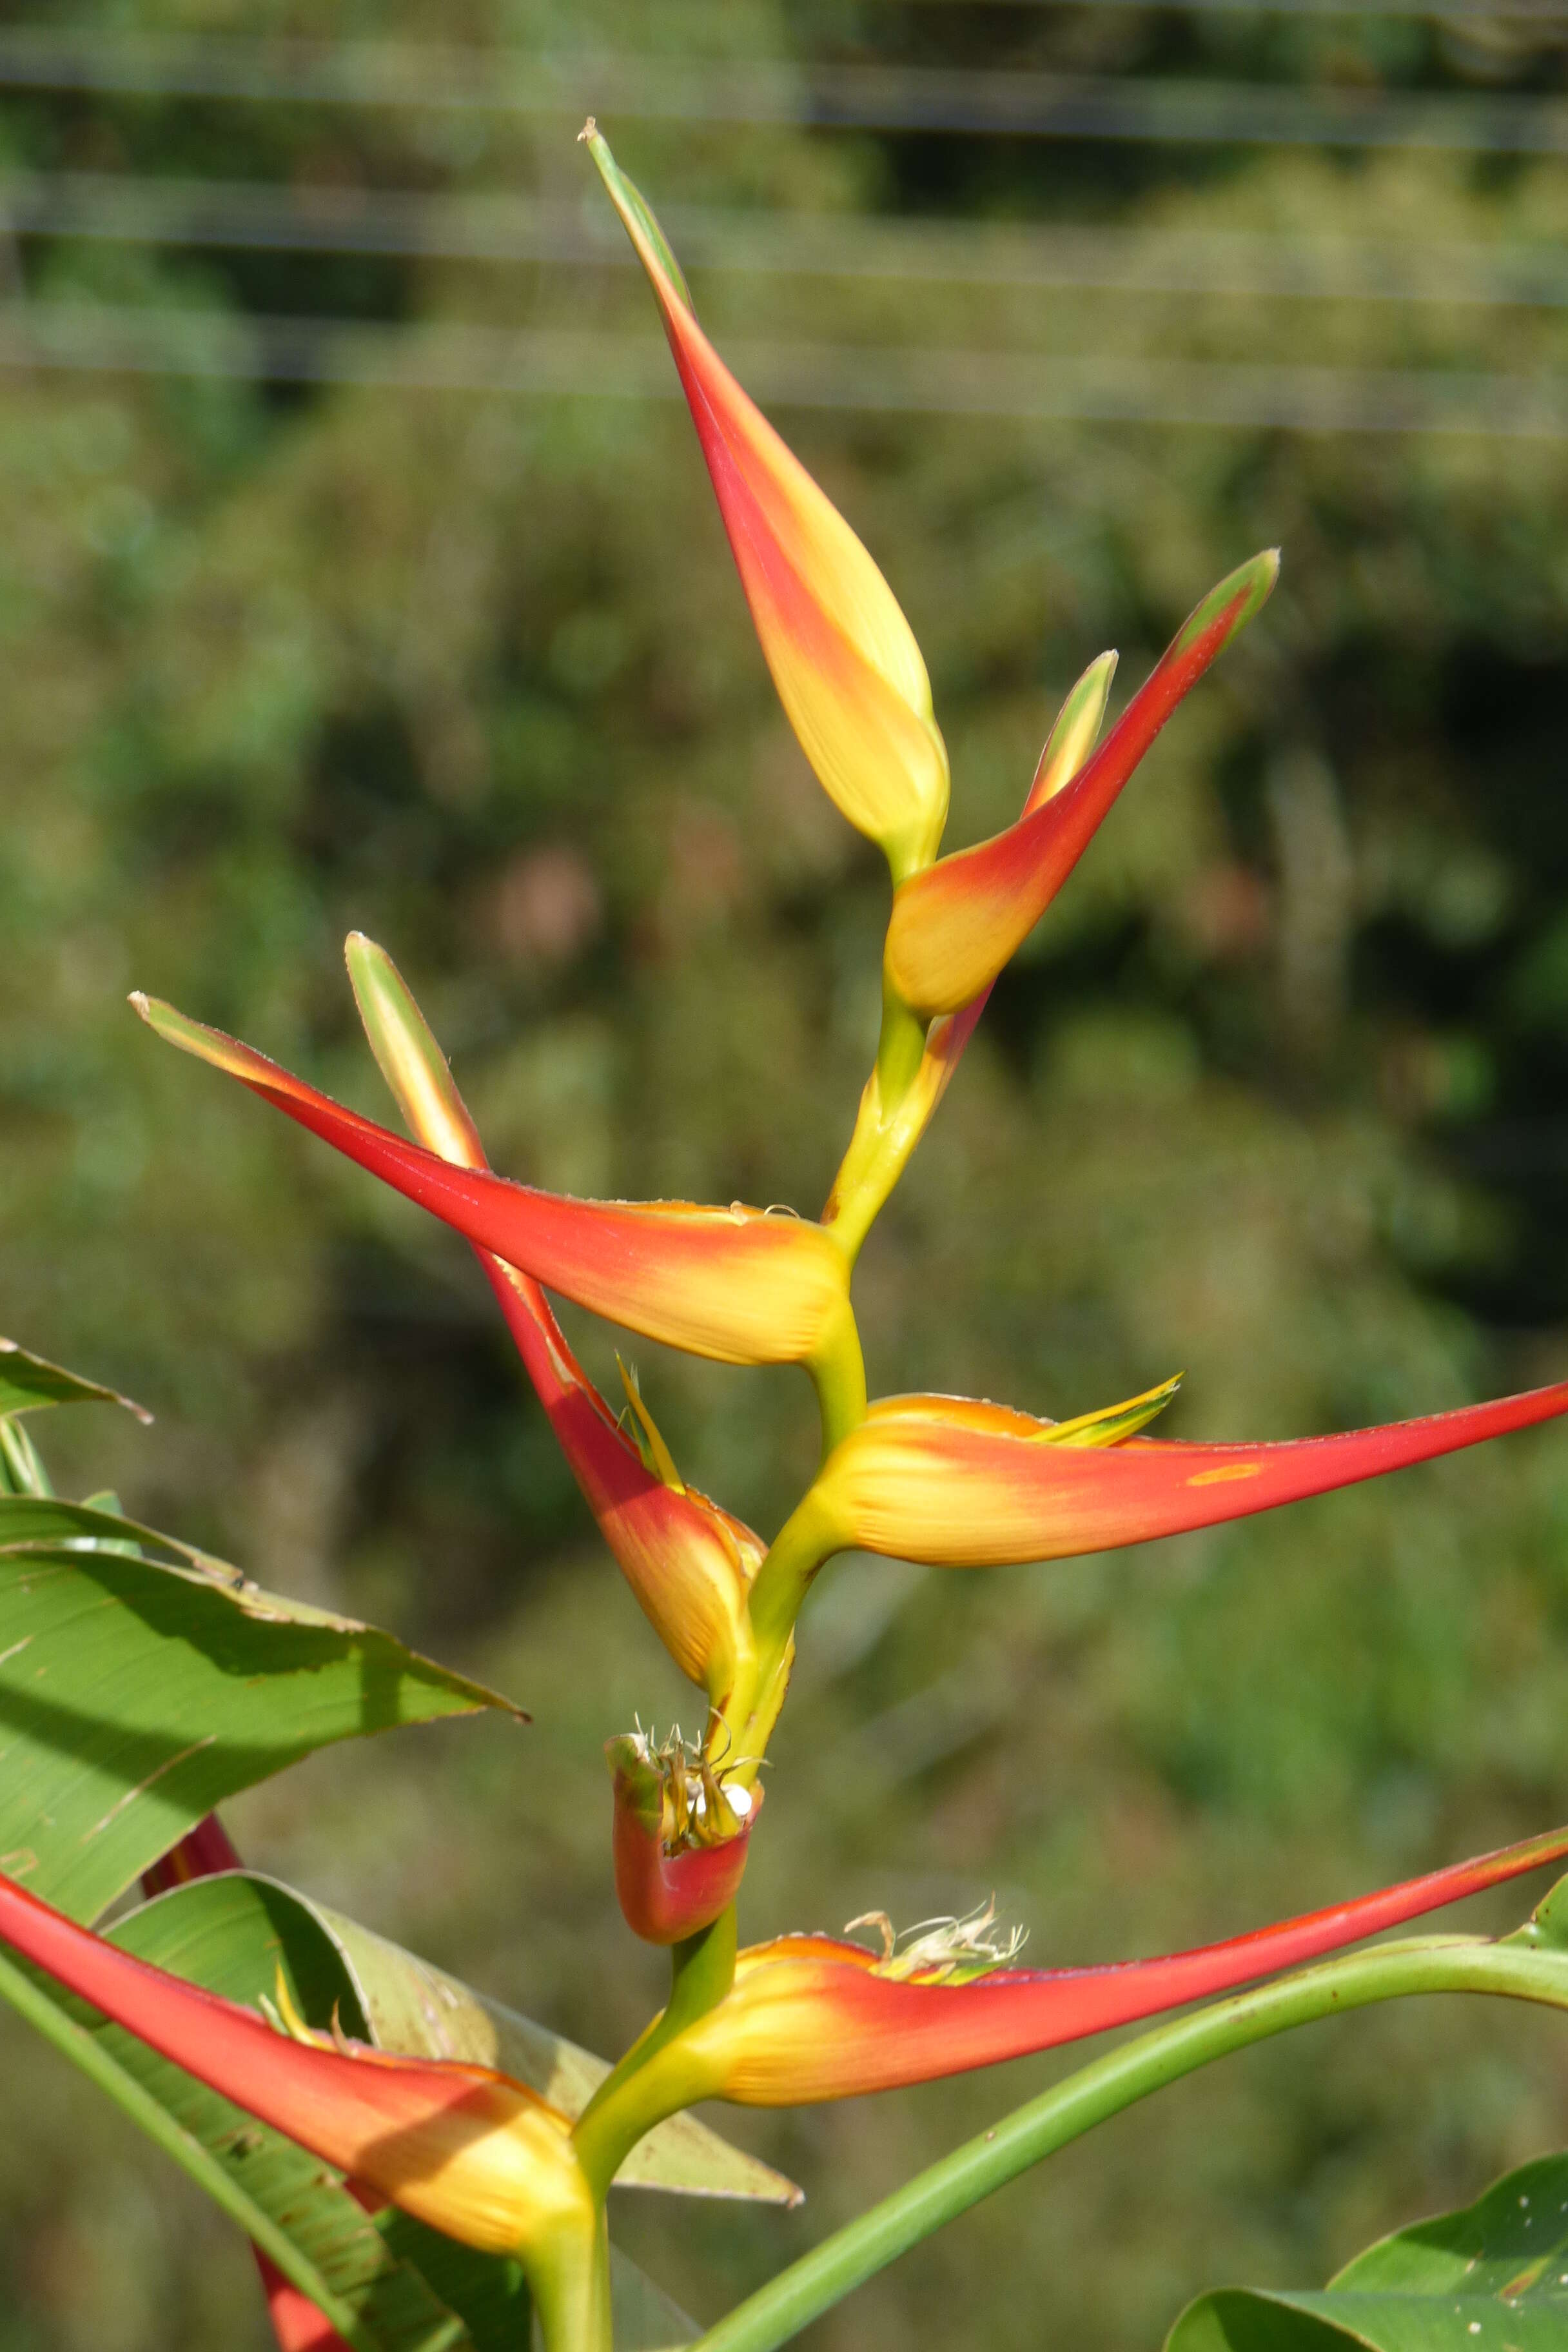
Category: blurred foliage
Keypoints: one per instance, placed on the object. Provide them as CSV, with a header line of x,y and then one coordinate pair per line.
x,y
1278,1093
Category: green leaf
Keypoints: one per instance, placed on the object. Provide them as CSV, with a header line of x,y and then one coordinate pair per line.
x,y
232,1933
1492,2277
35,1517
646,2319
135,1696
27,1381
415,2007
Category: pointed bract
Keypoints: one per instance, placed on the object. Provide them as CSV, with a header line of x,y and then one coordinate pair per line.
x,y
469,2150
739,1285
883,1139
812,2018
955,925
958,1484
687,1561
204,1852
848,669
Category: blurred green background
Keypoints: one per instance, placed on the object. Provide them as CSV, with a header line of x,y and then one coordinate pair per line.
x,y
1278,1092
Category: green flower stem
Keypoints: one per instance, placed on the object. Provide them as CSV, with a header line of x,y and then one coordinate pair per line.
x,y
885,1132
616,2117
900,1046
838,1374
810,1535
1523,1969
569,2280
85,2050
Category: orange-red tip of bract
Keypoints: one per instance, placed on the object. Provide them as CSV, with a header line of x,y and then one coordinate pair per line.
x,y
740,1285
679,1839
467,2150
843,657
956,924
958,1484
812,2017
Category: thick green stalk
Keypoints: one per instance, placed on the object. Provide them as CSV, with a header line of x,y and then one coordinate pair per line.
x,y
569,2280
1518,1968
838,1374
702,1970
885,1134
86,2051
809,1537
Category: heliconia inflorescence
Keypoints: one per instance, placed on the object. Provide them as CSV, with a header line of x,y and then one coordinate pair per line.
x,y
951,1481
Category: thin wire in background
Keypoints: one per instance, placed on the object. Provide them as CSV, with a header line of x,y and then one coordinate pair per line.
x,y
406,224
1021,104
86,336
909,378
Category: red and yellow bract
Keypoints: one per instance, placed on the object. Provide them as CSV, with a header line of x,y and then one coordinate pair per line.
x,y
813,2017
689,1561
740,1285
465,2148
843,657
956,924
957,1483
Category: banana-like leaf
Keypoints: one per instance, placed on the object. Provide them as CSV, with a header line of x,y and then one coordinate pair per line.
x,y
28,1381
1492,2277
136,1696
415,2007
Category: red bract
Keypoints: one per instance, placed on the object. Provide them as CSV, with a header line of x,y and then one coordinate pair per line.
x,y
675,1876
466,2149
812,2017
689,1561
961,1484
740,1285
957,923
843,657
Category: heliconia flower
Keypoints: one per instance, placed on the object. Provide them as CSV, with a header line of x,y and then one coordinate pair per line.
x,y
958,1484
689,1561
680,1837
956,924
204,1852
814,2017
885,1134
467,2150
846,664
743,1286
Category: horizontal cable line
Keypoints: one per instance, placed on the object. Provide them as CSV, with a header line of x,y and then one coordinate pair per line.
x,y
237,215
851,97
924,381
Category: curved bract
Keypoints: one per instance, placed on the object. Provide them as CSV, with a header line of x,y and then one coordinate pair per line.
x,y
843,657
887,1127
687,1561
955,1483
466,2149
957,923
740,1285
813,2017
